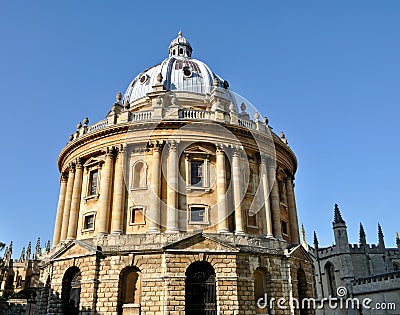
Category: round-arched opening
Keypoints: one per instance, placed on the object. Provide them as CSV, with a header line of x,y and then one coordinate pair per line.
x,y
129,291
200,289
71,290
302,291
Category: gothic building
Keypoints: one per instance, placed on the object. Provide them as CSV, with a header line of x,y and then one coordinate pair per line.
x,y
181,201
22,273
358,271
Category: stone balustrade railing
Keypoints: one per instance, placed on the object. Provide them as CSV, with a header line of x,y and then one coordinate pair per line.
x,y
140,116
148,115
194,114
97,126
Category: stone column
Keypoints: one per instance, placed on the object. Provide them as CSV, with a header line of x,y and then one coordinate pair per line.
x,y
155,206
60,209
119,193
276,211
267,215
172,189
67,203
221,192
75,202
105,192
294,227
237,195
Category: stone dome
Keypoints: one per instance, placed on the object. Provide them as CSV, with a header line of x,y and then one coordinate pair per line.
x,y
180,73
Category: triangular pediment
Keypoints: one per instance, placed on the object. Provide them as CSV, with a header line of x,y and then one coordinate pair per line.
x,y
93,161
201,242
299,252
73,249
198,149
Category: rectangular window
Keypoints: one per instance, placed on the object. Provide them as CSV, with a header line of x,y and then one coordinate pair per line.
x,y
252,220
284,228
198,214
88,222
137,216
93,181
196,173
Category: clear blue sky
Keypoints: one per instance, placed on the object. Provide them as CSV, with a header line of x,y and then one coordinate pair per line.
x,y
325,72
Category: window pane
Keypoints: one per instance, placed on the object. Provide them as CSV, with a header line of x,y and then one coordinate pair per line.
x,y
196,176
89,222
197,214
93,183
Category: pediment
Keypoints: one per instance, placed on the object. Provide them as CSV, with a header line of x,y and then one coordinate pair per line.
x,y
299,252
73,249
201,242
93,161
198,149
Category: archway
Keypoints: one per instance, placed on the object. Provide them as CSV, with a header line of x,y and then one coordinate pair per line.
x,y
129,291
302,291
71,290
200,293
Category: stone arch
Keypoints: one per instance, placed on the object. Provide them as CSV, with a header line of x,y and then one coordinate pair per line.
x,y
200,289
71,290
302,289
139,175
262,289
330,278
130,290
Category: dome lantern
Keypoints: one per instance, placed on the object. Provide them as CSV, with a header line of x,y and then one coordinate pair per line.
x,y
180,47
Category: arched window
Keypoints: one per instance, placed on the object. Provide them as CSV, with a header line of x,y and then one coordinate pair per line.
x,y
71,290
302,291
130,290
200,289
180,51
330,278
262,290
139,175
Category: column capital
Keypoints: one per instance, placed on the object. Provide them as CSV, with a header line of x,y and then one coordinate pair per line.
x,y
78,163
63,178
266,158
109,151
238,151
220,148
71,167
156,145
173,145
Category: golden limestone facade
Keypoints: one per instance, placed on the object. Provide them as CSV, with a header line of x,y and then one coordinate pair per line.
x,y
177,203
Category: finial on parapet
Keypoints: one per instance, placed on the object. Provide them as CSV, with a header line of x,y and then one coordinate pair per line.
x,y
86,121
22,257
216,82
180,33
38,250
363,237
266,121
119,97
303,235
28,251
337,215
315,240
48,247
159,78
283,137
79,126
381,241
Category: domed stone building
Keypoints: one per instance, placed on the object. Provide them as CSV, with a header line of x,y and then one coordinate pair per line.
x,y
178,202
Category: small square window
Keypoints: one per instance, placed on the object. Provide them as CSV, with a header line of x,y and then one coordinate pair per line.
x,y
137,216
284,228
198,214
88,222
252,220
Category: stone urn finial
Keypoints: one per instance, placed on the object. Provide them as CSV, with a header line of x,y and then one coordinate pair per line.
x,y
232,108
79,126
119,97
216,83
266,120
86,121
71,137
243,107
159,78
257,116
